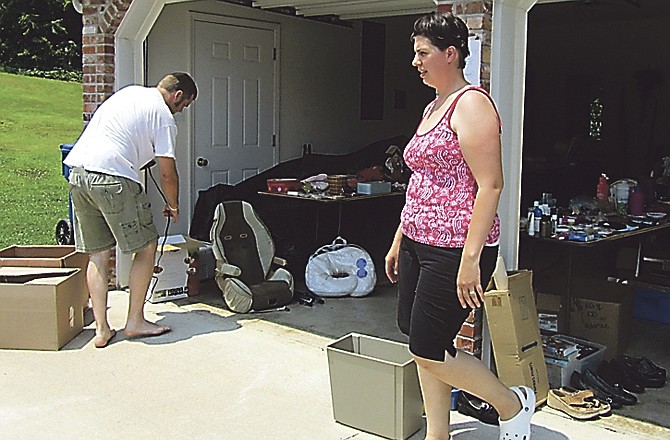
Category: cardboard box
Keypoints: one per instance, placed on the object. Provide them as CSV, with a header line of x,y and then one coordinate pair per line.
x,y
515,334
173,256
550,312
560,369
602,313
40,308
48,256
375,386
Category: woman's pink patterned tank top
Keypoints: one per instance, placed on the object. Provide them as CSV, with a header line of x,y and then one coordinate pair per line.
x,y
441,192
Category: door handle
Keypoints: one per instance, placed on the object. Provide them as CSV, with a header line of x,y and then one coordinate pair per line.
x,y
202,162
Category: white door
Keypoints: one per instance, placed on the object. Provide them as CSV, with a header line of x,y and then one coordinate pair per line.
x,y
235,111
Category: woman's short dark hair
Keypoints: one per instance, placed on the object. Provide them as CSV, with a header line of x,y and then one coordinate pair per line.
x,y
444,29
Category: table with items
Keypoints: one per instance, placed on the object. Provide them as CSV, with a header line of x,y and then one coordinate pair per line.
x,y
570,246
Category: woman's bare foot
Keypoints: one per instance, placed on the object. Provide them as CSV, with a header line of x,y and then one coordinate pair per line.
x,y
102,339
145,329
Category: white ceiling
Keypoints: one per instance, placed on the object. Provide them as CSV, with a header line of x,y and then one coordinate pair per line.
x,y
351,9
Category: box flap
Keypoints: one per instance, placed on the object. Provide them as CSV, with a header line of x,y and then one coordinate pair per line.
x,y
34,275
500,275
182,241
42,251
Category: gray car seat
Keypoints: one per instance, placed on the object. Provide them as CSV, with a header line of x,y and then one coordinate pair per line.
x,y
247,270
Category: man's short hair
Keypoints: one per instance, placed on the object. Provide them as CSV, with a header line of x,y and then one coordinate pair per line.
x,y
179,81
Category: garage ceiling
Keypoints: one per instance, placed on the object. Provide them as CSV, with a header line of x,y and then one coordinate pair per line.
x,y
334,10
350,9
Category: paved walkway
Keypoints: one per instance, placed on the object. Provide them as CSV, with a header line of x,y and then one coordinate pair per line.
x,y
216,376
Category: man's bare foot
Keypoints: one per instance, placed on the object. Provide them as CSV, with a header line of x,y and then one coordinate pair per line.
x,y
146,329
102,340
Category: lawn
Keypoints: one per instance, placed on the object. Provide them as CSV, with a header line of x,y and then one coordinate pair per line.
x,y
37,116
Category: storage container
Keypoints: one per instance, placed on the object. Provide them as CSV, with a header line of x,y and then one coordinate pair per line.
x,y
375,386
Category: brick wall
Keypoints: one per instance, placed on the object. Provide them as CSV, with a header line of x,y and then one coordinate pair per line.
x,y
101,19
478,16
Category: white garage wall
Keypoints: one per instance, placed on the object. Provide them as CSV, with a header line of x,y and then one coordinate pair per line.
x,y
319,76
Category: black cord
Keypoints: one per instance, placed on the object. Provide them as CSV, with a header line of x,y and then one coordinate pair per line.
x,y
157,267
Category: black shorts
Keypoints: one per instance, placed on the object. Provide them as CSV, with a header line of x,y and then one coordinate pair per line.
x,y
428,308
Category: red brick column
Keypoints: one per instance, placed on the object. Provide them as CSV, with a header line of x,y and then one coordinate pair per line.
x,y
478,15
101,19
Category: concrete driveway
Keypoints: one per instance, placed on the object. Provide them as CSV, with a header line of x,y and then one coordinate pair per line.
x,y
219,375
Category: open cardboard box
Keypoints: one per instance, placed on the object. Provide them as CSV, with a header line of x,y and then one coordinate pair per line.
x,y
48,256
515,334
40,308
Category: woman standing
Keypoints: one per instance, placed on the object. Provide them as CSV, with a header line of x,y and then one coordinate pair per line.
x,y
446,246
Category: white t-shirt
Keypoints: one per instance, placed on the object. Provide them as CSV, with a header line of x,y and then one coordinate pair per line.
x,y
125,133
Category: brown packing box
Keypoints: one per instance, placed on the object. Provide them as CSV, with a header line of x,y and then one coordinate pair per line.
x,y
601,311
550,311
515,334
48,256
40,308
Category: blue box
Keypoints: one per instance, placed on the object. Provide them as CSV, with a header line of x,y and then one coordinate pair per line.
x,y
652,305
376,187
455,392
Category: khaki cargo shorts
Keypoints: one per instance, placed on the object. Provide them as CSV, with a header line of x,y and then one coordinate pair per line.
x,y
109,210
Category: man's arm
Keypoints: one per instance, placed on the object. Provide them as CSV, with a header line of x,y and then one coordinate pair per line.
x,y
170,185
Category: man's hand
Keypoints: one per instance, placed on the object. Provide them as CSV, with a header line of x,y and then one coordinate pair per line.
x,y
171,213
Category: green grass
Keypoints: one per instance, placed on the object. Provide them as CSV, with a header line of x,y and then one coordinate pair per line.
x,y
36,116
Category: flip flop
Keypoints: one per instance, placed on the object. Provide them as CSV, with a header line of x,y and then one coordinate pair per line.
x,y
580,405
162,331
106,343
518,427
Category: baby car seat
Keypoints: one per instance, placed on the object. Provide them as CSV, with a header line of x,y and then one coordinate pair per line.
x,y
246,266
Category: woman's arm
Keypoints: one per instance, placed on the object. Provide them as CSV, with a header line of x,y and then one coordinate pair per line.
x,y
476,123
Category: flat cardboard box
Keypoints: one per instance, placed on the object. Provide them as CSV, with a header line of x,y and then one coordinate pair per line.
x,y
48,256
515,335
40,308
602,313
560,369
375,386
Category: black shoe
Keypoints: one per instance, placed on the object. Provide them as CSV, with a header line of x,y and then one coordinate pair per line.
x,y
475,407
615,373
578,381
595,381
651,374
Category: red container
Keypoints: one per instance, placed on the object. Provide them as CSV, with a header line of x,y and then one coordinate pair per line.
x,y
282,186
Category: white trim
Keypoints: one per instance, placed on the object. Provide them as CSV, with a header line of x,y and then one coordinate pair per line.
x,y
508,79
133,30
508,76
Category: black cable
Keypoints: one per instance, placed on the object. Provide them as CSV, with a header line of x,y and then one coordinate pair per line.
x,y
157,268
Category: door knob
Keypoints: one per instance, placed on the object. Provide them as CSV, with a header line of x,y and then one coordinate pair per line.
x,y
202,162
